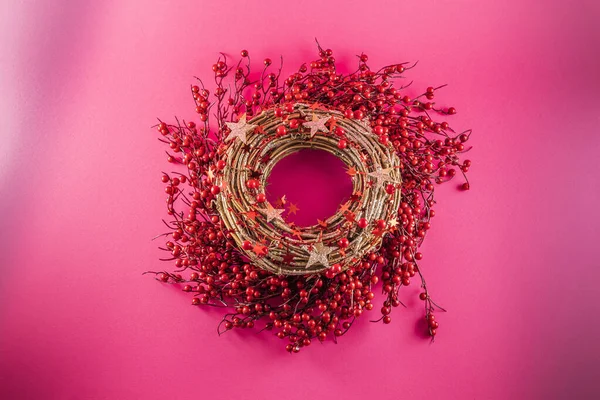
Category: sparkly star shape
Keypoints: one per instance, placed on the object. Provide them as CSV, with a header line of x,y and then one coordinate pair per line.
x,y
321,223
318,254
239,129
351,171
250,215
273,213
210,174
260,250
293,209
332,123
350,216
281,202
345,207
317,124
356,196
381,176
296,233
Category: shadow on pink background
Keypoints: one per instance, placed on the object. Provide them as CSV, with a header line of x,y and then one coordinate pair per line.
x,y
515,260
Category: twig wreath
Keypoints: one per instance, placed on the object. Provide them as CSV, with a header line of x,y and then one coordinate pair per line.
x,y
233,249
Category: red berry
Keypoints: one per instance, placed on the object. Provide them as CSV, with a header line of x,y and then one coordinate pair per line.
x,y
261,198
252,184
215,190
281,130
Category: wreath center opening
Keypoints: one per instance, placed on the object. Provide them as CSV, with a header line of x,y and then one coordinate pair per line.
x,y
314,183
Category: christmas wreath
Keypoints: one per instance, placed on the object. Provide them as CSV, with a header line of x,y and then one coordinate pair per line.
x,y
232,248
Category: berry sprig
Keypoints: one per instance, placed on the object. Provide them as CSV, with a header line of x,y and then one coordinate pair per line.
x,y
303,308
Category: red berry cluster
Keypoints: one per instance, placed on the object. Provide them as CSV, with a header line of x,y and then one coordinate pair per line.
x,y
301,309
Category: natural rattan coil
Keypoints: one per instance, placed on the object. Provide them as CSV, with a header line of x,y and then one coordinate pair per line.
x,y
263,149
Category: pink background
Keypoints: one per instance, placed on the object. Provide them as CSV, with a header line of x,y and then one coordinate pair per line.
x,y
515,260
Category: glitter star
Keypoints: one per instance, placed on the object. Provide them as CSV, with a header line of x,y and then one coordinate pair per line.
x,y
273,213
293,209
296,233
260,250
351,171
281,202
381,176
345,207
239,129
321,223
210,174
318,254
250,215
316,125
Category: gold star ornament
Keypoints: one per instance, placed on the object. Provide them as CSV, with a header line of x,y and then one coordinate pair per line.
x,y
273,213
239,129
382,176
317,125
318,254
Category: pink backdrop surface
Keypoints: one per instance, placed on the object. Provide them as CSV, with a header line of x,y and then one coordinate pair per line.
x,y
515,260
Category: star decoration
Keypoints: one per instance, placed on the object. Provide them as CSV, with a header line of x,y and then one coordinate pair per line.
x,y
293,209
288,258
356,196
318,254
273,213
351,171
321,223
332,123
381,176
345,207
260,249
393,224
350,216
251,215
378,232
316,125
296,233
239,129
280,202
211,175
